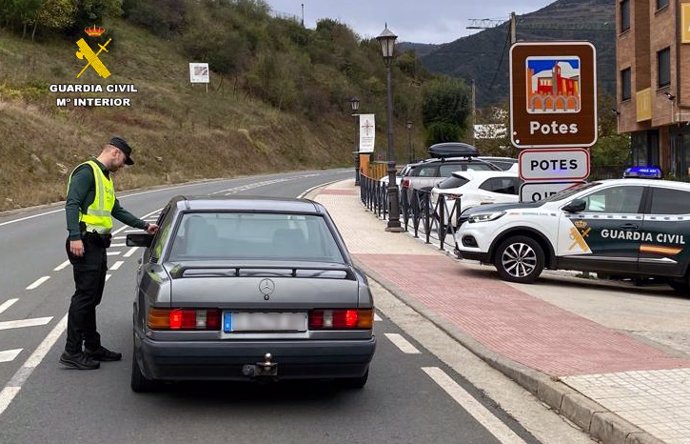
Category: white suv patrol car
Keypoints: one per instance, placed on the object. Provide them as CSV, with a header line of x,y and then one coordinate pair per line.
x,y
625,227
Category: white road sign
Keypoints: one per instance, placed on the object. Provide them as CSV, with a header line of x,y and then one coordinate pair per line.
x,y
569,164
198,73
536,191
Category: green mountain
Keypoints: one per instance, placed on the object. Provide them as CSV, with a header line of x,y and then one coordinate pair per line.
x,y
484,56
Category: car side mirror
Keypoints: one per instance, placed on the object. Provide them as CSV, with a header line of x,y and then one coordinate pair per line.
x,y
576,206
139,240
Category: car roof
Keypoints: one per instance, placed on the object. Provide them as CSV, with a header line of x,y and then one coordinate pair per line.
x,y
646,182
478,175
247,203
449,160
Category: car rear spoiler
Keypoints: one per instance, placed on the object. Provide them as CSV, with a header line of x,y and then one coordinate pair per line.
x,y
180,271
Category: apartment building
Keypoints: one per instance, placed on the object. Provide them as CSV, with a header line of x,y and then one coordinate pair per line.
x,y
653,63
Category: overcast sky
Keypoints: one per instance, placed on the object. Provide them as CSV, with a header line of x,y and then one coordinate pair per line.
x,y
425,21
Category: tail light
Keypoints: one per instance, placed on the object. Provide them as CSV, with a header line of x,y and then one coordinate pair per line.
x,y
405,183
344,319
183,319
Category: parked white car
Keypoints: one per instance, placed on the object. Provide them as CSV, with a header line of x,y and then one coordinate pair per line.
x,y
474,188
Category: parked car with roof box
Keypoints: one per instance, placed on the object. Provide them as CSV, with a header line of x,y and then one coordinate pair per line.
x,y
453,157
249,288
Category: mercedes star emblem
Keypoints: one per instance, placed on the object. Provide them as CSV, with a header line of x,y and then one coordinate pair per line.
x,y
266,287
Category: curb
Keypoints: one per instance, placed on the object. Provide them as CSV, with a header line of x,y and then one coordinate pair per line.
x,y
594,419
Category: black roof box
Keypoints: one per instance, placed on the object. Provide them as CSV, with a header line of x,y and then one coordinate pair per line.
x,y
452,149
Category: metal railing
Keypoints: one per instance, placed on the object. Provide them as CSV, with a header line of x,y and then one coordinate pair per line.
x,y
418,215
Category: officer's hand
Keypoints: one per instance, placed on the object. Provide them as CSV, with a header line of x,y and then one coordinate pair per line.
x,y
152,228
76,247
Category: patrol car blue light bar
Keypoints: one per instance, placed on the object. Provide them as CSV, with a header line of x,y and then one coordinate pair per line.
x,y
643,172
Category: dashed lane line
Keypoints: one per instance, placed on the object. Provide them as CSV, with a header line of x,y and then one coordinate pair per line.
x,y
403,344
38,282
116,265
21,323
107,276
377,317
7,304
13,387
118,245
113,253
130,252
9,355
490,422
62,266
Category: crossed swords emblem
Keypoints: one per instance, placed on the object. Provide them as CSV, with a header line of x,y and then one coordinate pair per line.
x,y
85,52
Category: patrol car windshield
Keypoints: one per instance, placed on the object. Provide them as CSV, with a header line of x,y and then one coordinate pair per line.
x,y
570,191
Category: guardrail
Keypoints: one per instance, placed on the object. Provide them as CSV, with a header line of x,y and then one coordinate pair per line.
x,y
417,213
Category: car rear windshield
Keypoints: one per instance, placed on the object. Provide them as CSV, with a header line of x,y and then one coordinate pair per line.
x,y
452,182
254,236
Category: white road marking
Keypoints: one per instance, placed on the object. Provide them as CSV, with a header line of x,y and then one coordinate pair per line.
x,y
118,245
134,230
38,282
490,422
9,355
113,253
130,252
31,217
21,323
116,265
107,276
377,317
403,344
62,266
7,304
15,384
119,237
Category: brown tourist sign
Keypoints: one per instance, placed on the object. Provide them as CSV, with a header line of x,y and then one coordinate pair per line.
x,y
553,95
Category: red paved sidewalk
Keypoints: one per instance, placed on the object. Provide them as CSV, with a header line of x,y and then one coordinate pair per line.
x,y
514,324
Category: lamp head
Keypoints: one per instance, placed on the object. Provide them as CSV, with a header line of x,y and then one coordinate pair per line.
x,y
669,96
387,41
354,103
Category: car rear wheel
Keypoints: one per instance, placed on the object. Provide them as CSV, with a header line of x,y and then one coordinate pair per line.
x,y
355,383
139,382
519,259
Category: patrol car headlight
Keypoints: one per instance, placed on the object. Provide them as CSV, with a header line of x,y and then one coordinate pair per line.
x,y
485,217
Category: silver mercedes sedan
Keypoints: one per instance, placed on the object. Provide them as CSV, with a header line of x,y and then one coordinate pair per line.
x,y
246,289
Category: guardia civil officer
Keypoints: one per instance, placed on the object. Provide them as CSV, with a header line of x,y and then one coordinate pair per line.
x,y
90,208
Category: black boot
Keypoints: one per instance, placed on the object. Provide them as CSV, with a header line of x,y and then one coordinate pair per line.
x,y
103,354
79,361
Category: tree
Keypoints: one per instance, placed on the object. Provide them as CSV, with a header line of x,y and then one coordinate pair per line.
x,y
612,149
55,14
445,109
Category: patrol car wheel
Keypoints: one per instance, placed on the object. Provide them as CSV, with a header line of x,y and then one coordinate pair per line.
x,y
681,287
519,259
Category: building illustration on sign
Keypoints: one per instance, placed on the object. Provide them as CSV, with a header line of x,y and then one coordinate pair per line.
x,y
553,85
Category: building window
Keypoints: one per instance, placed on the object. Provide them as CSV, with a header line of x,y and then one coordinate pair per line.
x,y
625,15
626,90
663,58
660,4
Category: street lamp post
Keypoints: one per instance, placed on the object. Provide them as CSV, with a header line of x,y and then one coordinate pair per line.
x,y
409,139
387,41
354,104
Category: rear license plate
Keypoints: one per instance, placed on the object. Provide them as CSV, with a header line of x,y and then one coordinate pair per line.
x,y
251,321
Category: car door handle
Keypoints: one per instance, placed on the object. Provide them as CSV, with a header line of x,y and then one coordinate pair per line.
x,y
629,226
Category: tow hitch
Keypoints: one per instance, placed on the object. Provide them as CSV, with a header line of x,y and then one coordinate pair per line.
x,y
260,369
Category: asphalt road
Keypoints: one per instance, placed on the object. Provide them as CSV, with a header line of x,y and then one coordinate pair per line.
x,y
411,395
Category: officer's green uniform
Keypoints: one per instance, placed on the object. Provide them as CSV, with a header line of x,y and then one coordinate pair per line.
x,y
91,205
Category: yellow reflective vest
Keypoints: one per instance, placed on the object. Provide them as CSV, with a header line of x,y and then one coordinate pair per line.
x,y
97,217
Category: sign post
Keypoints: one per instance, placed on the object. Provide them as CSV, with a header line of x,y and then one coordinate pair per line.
x,y
553,113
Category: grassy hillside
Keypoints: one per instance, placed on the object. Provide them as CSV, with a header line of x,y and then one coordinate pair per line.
x,y
178,131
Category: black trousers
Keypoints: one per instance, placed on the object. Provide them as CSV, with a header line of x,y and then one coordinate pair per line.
x,y
89,280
